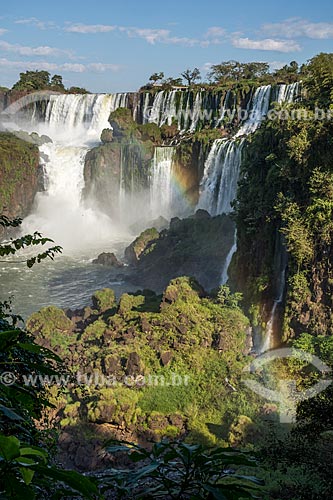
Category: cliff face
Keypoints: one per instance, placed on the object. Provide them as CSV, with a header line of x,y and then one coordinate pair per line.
x,y
286,188
123,158
19,173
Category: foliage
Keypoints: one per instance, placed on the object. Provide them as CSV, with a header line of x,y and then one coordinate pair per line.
x,y
155,77
226,298
26,469
19,163
180,470
191,76
285,188
166,354
235,71
12,246
32,81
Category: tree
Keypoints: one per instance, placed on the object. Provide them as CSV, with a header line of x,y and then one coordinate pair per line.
x,y
78,90
227,70
56,81
191,76
155,77
319,79
288,73
172,82
33,80
235,71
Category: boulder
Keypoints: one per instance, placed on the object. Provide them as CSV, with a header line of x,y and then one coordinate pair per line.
x,y
108,259
134,251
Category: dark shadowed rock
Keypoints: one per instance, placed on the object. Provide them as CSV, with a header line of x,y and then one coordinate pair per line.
x,y
196,246
133,365
107,135
108,259
166,357
134,251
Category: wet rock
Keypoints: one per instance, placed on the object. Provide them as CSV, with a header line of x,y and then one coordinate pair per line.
x,y
108,259
134,251
107,135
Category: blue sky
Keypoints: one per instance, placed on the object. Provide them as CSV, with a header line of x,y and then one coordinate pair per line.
x,y
113,46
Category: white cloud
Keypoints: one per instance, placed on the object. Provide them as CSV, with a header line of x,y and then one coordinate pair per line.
x,y
266,44
42,25
297,27
3,31
89,28
189,42
215,32
149,34
34,51
70,67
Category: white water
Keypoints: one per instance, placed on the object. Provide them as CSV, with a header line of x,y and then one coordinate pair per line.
x,y
288,93
161,185
268,340
176,106
74,123
220,179
224,274
222,167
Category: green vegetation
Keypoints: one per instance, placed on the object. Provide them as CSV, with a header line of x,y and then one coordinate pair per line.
x,y
193,340
170,366
179,470
32,81
286,187
19,162
27,469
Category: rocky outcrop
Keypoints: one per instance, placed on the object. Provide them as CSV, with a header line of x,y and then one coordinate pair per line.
x,y
108,259
196,246
134,251
19,175
123,159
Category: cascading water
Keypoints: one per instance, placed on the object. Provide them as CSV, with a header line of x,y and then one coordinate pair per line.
x,y
188,109
288,93
220,179
161,187
74,122
280,264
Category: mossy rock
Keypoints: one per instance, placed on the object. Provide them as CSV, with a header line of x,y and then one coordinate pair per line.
x,y
134,251
104,299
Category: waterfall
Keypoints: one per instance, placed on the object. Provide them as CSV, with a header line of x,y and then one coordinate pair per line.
x,y
224,274
74,123
288,93
281,267
162,195
190,110
220,179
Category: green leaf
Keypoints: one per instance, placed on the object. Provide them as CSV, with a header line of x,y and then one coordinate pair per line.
x,y
72,479
27,475
34,451
252,479
215,492
9,447
7,337
10,413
